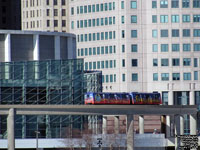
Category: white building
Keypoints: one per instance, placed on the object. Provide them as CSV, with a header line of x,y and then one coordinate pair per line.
x,y
141,45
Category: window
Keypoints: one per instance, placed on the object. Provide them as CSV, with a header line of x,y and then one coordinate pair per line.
x,y
155,47
55,12
186,61
72,11
154,33
154,18
187,76
164,62
106,63
175,62
163,3
185,3
123,62
63,12
47,2
196,18
107,78
55,23
155,62
186,32
123,48
102,64
134,77
175,76
175,32
195,62
123,77
122,4
196,47
122,20
186,47
175,3
63,2
164,33
123,34
134,48
55,2
48,12
195,75
196,32
48,23
133,4
134,33
196,3
164,48
155,76
175,18
163,18
186,18
133,19
154,4
175,47
63,23
97,7
134,62
164,76
165,98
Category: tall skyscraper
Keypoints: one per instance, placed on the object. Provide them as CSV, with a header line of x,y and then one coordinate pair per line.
x,y
10,14
45,15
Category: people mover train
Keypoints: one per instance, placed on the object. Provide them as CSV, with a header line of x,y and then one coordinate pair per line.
x,y
133,98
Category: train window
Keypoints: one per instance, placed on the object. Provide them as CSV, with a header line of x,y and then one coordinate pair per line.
x,y
124,96
113,96
103,96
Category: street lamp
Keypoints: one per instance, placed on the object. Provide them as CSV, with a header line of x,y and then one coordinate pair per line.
x,y
37,132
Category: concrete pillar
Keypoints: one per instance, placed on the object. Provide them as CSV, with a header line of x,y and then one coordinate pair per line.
x,y
192,101
57,47
168,122
116,123
129,132
141,124
104,125
11,129
36,49
8,48
181,125
177,131
168,126
193,124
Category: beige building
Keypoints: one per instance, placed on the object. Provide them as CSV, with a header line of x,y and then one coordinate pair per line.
x,y
45,15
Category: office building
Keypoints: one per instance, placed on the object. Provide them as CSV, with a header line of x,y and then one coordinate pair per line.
x,y
45,15
10,14
142,46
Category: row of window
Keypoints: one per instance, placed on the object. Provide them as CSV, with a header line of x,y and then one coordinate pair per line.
x,y
32,13
94,8
134,62
55,2
134,77
32,24
56,23
176,76
97,50
176,47
31,3
175,33
176,62
100,64
96,36
95,22
175,3
176,18
109,78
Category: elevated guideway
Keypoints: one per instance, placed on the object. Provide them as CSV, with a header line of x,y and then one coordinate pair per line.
x,y
175,113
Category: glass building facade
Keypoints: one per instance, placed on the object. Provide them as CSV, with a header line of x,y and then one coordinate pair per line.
x,y
59,82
